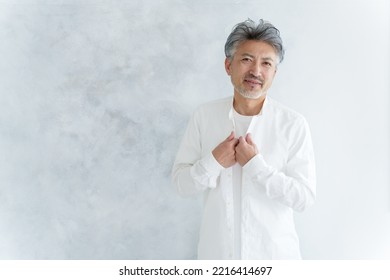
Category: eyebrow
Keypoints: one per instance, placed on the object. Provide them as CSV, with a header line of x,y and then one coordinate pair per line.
x,y
247,54
268,58
263,58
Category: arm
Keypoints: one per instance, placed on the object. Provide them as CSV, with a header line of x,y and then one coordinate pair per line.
x,y
193,173
295,187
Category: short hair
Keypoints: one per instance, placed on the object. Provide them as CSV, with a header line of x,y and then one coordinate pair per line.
x,y
249,30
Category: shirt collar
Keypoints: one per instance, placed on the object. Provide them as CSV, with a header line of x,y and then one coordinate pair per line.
x,y
263,109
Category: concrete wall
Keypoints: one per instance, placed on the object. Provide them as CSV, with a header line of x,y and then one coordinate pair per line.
x,y
95,96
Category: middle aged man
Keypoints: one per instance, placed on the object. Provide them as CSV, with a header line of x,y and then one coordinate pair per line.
x,y
250,156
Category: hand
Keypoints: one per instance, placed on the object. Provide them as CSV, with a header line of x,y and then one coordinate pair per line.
x,y
225,152
245,150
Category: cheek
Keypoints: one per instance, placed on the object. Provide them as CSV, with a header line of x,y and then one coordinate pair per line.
x,y
269,77
234,75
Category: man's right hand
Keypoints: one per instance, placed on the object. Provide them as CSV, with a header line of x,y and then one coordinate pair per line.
x,y
225,152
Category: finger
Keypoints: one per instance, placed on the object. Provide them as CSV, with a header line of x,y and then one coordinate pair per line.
x,y
248,139
231,136
250,142
233,143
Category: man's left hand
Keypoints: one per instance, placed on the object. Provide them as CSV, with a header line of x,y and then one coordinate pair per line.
x,y
245,149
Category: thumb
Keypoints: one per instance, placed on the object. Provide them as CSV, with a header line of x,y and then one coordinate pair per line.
x,y
248,139
231,136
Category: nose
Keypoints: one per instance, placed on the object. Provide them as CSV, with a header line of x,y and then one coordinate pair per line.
x,y
256,70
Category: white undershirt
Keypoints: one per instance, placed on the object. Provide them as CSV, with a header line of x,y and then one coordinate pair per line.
x,y
241,127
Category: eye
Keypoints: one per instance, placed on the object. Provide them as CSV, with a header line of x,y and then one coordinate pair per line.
x,y
267,64
246,59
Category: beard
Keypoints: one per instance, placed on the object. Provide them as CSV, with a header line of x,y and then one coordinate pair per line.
x,y
244,92
248,94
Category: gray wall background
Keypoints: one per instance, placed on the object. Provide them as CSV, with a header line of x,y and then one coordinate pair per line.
x,y
95,96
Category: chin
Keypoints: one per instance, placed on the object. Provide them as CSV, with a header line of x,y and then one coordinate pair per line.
x,y
251,95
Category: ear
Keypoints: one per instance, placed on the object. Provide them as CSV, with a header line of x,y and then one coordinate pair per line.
x,y
227,66
276,71
276,67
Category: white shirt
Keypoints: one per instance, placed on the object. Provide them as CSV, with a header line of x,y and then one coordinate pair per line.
x,y
241,124
278,180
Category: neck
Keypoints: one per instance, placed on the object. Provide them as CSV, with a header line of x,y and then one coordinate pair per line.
x,y
248,107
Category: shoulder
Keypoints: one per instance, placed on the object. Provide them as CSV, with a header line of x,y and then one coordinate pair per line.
x,y
216,104
215,107
286,114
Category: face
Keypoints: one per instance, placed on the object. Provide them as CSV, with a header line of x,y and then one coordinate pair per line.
x,y
252,68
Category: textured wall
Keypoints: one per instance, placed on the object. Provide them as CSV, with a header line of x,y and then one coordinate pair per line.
x,y
95,96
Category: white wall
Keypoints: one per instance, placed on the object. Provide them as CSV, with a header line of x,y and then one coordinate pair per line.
x,y
95,96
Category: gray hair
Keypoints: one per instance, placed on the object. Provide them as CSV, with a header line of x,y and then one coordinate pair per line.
x,y
249,30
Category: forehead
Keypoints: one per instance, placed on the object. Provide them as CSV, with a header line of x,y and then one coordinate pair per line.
x,y
256,49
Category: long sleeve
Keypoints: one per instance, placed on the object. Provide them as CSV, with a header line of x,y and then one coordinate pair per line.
x,y
296,185
192,173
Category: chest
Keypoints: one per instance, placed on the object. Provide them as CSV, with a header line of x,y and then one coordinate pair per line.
x,y
269,135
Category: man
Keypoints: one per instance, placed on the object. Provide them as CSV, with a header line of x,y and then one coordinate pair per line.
x,y
250,156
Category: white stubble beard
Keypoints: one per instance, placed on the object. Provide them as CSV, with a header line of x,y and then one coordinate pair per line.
x,y
246,94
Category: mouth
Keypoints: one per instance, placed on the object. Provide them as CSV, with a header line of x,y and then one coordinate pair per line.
x,y
253,82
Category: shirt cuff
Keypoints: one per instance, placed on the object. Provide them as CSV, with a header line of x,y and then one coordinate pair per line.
x,y
211,165
255,165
